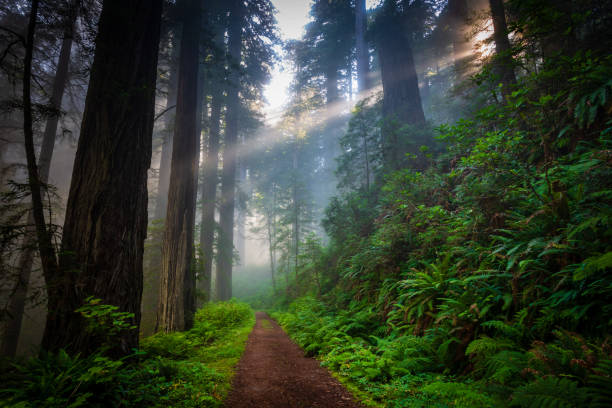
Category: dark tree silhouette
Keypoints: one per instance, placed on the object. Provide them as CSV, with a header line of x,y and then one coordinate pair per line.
x,y
176,308
106,213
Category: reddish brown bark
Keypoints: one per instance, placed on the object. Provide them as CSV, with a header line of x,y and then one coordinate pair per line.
x,y
106,213
175,307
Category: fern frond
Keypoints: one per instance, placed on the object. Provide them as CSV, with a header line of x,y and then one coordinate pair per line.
x,y
549,392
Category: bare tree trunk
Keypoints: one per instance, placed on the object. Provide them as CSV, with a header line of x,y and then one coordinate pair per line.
x,y
401,97
363,57
150,294
271,227
228,175
201,107
166,152
17,301
209,193
503,59
210,176
175,308
106,213
296,211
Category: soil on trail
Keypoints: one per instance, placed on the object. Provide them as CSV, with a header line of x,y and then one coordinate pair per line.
x,y
273,373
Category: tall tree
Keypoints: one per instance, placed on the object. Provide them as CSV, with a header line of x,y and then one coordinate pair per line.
x,y
401,97
228,175
504,64
326,47
45,245
106,213
176,303
209,191
18,299
210,176
163,184
363,55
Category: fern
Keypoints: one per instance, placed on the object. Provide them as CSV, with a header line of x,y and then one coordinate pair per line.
x,y
599,386
486,346
515,331
506,367
549,392
459,395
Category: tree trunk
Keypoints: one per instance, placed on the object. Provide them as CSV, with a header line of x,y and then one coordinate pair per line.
x,y
175,308
401,98
504,64
271,227
241,216
45,245
201,107
363,57
17,301
210,176
106,213
209,192
166,152
150,294
296,211
228,175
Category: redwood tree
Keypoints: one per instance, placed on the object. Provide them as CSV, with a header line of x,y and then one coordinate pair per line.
x,y
106,212
175,307
228,175
503,58
363,57
401,97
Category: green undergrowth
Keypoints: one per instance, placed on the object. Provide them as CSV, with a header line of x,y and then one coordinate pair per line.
x,y
388,367
180,369
484,278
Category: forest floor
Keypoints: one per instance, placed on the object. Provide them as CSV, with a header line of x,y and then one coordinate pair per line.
x,y
274,373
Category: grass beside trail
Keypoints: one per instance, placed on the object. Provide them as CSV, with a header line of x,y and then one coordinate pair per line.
x,y
180,370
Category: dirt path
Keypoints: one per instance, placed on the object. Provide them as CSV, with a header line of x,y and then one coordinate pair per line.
x,y
273,373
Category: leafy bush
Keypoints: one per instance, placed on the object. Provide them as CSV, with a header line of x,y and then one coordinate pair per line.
x,y
180,369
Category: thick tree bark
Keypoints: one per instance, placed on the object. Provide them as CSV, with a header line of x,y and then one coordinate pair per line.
x,y
296,212
401,97
363,57
458,11
210,176
228,175
106,213
191,290
209,193
169,117
241,215
17,301
271,227
504,64
175,308
150,294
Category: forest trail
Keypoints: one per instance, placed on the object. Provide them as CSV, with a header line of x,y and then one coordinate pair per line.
x,y
273,373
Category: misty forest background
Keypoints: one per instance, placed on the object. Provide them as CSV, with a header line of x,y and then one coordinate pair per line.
x,y
430,215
